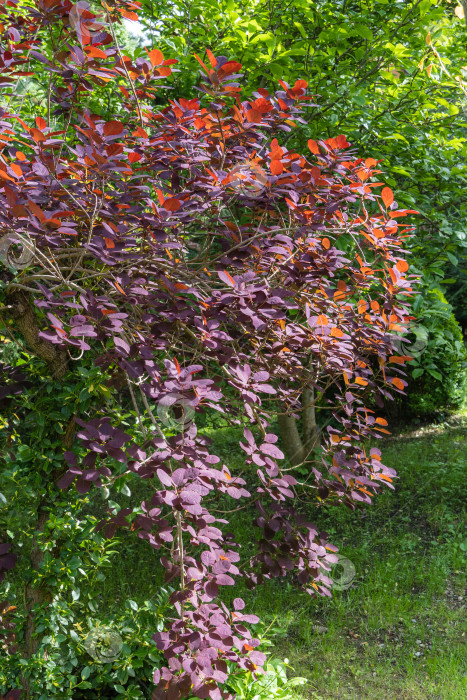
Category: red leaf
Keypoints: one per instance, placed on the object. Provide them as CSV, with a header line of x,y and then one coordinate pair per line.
x,y
16,169
156,57
398,383
402,265
172,204
95,52
313,146
229,68
276,167
109,243
341,142
387,196
253,115
37,135
113,128
134,157
128,15
40,123
212,58
201,63
140,132
37,211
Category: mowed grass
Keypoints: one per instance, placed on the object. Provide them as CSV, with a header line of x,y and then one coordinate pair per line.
x,y
399,630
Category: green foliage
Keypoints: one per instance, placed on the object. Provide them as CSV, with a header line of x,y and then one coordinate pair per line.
x,y
439,378
82,650
274,685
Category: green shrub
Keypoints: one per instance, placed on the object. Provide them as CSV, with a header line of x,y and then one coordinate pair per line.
x,y
438,370
274,685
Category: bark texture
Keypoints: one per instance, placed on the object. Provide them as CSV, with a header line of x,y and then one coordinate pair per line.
x,y
25,321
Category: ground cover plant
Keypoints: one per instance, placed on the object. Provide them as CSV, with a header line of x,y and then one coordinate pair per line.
x,y
163,263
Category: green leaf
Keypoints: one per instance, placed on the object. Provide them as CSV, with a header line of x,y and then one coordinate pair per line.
x,y
86,672
364,31
301,29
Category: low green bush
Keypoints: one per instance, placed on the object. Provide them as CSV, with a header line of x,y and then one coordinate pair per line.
x,y
438,373
437,376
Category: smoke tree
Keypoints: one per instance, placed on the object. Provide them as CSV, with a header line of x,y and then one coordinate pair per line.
x,y
206,268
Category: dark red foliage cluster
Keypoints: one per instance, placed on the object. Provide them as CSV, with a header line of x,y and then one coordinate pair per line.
x,y
194,255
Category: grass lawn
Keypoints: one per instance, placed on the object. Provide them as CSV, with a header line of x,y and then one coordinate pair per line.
x,y
399,630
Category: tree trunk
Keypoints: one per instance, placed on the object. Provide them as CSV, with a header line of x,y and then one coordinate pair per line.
x,y
310,429
291,439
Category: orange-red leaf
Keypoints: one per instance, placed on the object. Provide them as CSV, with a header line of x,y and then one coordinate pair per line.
x,y
387,196
113,128
402,265
201,63
212,59
37,135
36,210
95,52
398,382
156,57
128,15
253,115
336,333
276,167
400,359
172,204
313,146
362,306
109,243
16,169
